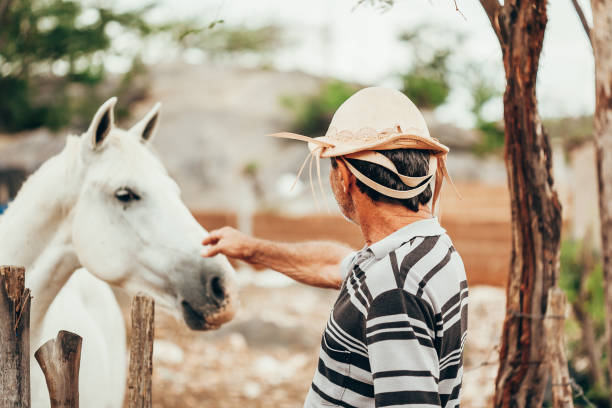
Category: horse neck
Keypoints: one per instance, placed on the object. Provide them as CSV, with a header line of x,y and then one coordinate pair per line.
x,y
35,231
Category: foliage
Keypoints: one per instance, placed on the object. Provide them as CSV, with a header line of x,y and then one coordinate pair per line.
x,y
251,168
483,90
491,138
229,41
426,83
54,56
382,4
570,131
581,277
313,113
51,60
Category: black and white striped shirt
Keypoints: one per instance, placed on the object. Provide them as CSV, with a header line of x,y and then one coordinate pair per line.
x,y
395,335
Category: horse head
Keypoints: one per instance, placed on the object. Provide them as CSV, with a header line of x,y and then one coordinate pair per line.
x,y
131,229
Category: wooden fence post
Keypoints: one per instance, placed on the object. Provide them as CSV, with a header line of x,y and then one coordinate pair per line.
x,y
14,338
555,349
60,360
141,352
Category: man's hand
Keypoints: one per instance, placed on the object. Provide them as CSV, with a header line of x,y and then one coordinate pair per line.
x,y
230,242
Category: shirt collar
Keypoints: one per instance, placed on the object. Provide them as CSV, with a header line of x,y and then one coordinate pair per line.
x,y
424,228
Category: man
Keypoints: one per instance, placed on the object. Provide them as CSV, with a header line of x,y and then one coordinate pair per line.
x,y
395,335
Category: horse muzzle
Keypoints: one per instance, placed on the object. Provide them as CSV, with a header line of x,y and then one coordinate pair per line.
x,y
215,305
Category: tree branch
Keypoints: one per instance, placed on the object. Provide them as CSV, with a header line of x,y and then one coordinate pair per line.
x,y
581,16
492,8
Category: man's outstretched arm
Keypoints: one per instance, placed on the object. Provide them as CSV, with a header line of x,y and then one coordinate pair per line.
x,y
312,263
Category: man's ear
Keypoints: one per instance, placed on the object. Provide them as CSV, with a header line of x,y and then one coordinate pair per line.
x,y
101,124
346,177
147,127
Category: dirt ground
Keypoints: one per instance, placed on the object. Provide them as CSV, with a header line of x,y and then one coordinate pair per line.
x,y
266,356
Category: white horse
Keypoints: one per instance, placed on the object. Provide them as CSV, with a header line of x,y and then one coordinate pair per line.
x,y
106,203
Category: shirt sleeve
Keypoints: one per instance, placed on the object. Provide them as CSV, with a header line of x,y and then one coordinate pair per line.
x,y
400,338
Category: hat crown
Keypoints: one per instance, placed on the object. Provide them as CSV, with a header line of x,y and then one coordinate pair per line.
x,y
379,108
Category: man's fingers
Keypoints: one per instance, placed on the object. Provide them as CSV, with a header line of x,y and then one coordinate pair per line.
x,y
212,238
220,241
211,251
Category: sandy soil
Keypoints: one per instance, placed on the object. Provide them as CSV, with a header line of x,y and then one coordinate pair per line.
x,y
266,356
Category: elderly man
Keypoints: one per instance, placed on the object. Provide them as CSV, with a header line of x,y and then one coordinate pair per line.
x,y
396,332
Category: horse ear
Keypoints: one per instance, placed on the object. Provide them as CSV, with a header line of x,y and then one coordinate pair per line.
x,y
147,127
102,123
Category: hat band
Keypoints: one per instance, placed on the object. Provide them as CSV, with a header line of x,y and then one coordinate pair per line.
x,y
382,160
422,182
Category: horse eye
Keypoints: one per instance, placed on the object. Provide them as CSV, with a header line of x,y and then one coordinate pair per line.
x,y
125,195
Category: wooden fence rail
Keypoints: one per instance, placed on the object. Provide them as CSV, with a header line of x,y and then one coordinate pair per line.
x,y
60,359
141,352
14,338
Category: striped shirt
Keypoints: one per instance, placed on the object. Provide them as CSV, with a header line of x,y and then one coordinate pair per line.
x,y
396,332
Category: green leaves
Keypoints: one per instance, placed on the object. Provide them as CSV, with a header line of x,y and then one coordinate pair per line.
x,y
234,40
426,88
51,60
54,56
581,277
312,114
426,82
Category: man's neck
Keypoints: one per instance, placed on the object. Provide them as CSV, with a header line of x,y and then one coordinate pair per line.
x,y
380,220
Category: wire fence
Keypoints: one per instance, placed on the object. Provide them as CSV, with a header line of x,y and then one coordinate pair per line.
x,y
492,359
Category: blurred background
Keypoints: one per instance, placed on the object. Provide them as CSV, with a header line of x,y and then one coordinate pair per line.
x,y
230,71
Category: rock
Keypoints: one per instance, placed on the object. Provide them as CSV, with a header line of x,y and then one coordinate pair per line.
x,y
167,352
237,342
267,366
251,389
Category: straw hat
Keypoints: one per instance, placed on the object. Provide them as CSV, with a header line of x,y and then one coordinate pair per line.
x,y
374,119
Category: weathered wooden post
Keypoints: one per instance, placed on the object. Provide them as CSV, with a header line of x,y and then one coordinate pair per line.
x,y
60,360
555,349
141,352
14,338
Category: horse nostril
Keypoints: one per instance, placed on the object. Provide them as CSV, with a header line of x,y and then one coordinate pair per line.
x,y
216,287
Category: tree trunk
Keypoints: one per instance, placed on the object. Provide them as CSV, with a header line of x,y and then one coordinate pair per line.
x,y
601,38
536,211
